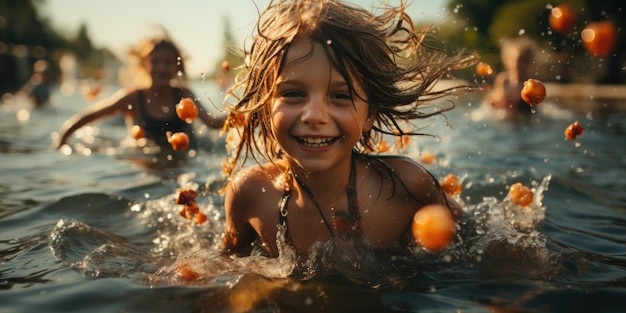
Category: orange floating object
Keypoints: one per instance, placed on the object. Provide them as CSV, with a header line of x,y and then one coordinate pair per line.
x,y
92,92
186,197
186,110
225,66
563,18
200,218
382,146
573,130
433,227
179,141
483,69
137,132
428,158
190,209
451,185
187,273
521,194
402,141
534,92
236,119
599,38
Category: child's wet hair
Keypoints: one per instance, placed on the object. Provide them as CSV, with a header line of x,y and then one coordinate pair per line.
x,y
383,53
141,52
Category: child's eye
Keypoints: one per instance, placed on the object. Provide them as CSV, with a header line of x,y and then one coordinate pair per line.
x,y
342,96
291,94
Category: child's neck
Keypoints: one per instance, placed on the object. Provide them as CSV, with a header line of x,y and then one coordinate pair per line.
x,y
324,182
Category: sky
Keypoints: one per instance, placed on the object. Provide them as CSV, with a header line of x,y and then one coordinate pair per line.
x,y
197,26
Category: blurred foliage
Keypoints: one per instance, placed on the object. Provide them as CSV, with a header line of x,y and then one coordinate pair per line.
x,y
26,36
232,56
482,24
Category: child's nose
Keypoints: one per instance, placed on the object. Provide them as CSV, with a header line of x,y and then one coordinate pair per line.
x,y
315,112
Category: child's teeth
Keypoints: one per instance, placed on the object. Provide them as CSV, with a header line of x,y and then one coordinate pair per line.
x,y
316,141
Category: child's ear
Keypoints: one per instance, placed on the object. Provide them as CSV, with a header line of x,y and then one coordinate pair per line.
x,y
369,121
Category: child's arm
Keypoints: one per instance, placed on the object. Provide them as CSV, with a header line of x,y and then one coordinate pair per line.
x,y
207,118
106,107
238,233
423,185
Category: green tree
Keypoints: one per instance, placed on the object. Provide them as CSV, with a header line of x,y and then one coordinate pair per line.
x,y
232,58
497,19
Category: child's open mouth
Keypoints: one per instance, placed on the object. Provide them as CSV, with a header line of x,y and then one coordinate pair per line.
x,y
316,142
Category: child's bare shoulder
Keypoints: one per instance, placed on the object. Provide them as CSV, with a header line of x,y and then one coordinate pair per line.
x,y
412,174
252,188
256,178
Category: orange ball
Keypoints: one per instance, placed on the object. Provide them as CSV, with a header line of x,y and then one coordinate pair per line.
x,y
226,66
179,141
402,141
599,38
534,91
186,110
451,185
200,218
562,18
433,227
382,146
573,130
483,69
236,119
521,194
428,158
186,272
92,92
137,132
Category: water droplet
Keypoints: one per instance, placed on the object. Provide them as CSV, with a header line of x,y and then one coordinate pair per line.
x,y
447,258
23,115
135,208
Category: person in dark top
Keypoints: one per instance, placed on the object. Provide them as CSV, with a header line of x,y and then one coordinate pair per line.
x,y
160,77
156,128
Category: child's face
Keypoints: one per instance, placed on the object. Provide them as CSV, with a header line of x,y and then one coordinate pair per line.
x,y
162,66
314,118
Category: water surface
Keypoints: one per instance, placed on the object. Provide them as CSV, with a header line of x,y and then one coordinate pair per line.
x,y
98,230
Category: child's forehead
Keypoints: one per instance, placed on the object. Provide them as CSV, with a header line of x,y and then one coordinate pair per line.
x,y
300,48
306,49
